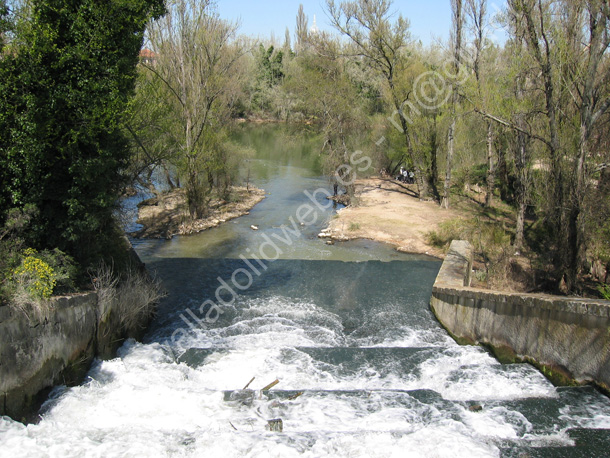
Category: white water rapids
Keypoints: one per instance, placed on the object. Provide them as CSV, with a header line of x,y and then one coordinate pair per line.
x,y
405,393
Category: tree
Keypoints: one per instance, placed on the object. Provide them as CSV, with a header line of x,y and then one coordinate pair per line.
x,y
147,125
458,26
567,42
320,79
197,64
64,93
589,80
384,46
476,12
302,30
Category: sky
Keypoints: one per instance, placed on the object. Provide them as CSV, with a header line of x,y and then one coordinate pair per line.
x,y
430,19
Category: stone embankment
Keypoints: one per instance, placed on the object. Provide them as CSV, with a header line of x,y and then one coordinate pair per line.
x,y
57,345
567,338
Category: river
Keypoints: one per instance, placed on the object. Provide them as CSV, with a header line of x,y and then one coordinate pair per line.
x,y
364,369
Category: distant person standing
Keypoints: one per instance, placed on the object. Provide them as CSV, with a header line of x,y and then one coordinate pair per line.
x,y
335,181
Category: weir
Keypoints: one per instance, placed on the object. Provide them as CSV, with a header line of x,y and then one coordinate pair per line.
x,y
567,338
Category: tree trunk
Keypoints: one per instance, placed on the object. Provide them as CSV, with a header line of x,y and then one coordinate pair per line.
x,y
521,188
502,172
458,22
168,178
491,177
422,188
432,173
576,248
450,146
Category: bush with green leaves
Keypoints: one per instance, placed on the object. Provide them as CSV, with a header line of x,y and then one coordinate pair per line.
x,y
490,241
27,275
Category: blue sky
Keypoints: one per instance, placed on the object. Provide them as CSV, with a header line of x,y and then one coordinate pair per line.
x,y
430,19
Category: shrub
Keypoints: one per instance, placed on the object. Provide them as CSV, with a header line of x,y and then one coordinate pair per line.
x,y
449,230
491,244
64,268
131,297
604,290
35,276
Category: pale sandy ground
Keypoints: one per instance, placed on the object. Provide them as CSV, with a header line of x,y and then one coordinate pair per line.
x,y
388,211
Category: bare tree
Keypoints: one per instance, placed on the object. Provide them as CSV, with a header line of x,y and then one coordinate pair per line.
x,y
384,46
302,30
458,26
592,103
476,11
567,41
197,62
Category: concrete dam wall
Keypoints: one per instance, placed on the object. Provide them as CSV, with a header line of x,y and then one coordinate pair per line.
x,y
567,338
39,352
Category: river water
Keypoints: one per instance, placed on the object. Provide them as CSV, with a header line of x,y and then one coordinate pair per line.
x,y
347,325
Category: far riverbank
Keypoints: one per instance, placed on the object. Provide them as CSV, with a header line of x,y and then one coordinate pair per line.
x,y
390,212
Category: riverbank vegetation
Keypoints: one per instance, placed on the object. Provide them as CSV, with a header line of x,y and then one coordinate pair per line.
x,y
67,73
521,118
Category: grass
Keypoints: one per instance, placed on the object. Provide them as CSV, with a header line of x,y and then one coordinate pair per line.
x,y
604,290
132,296
497,266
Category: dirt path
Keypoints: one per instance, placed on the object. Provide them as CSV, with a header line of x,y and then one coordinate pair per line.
x,y
388,211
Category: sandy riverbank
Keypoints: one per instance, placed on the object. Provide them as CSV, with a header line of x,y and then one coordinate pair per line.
x,y
167,215
389,211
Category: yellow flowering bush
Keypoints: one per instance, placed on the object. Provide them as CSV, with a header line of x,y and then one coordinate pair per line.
x,y
35,275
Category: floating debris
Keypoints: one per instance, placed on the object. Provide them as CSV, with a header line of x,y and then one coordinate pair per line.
x,y
271,385
248,384
275,425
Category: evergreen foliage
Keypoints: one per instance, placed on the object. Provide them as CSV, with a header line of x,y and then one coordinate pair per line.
x,y
64,88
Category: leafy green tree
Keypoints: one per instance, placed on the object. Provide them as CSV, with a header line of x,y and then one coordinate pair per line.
x,y
328,95
270,65
63,97
385,45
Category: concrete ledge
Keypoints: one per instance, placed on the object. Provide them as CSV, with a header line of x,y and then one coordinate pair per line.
x,y
455,271
57,349
36,354
568,338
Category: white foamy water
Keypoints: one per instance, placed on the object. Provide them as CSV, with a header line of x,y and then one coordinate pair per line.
x,y
363,395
